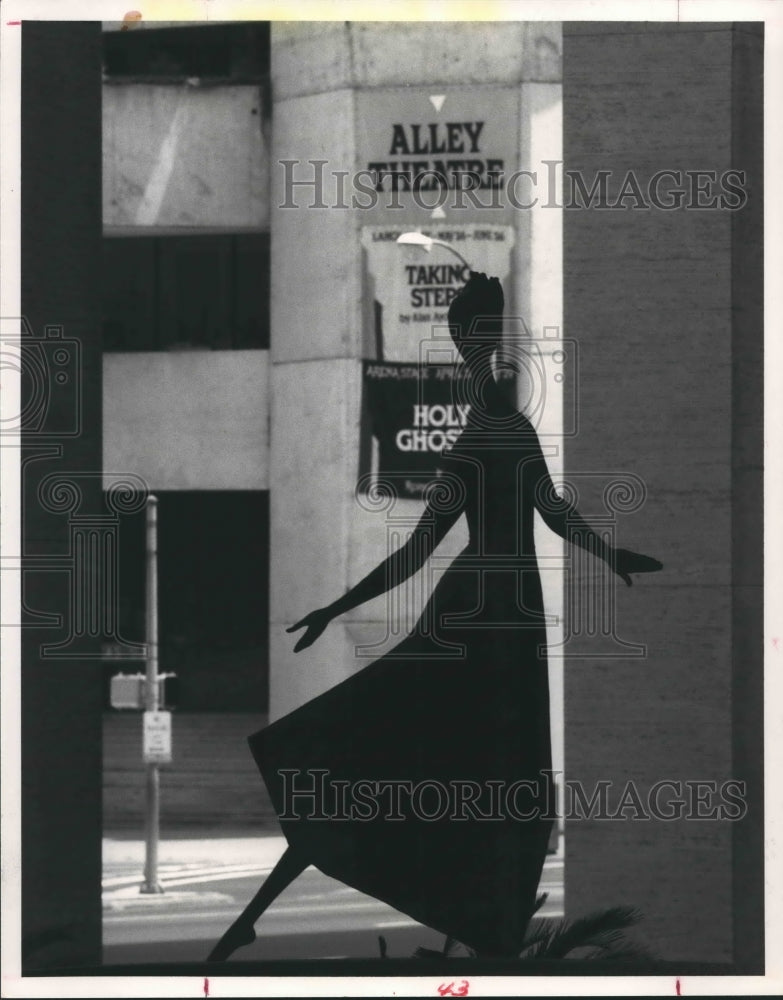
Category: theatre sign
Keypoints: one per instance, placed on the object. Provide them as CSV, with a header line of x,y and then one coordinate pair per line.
x,y
437,150
435,160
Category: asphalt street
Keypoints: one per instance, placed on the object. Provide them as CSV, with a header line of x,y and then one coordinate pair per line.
x,y
206,883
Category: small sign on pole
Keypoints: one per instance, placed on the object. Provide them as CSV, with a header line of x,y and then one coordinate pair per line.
x,y
157,737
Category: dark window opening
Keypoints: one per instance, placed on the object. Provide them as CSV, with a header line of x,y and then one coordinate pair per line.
x,y
178,292
219,51
213,587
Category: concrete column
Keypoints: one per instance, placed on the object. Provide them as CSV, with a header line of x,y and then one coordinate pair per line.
x,y
670,390
322,540
315,352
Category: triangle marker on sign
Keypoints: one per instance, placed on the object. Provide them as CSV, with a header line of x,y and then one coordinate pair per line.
x,y
437,100
438,213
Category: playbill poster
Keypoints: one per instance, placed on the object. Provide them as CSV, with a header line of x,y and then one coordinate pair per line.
x,y
389,462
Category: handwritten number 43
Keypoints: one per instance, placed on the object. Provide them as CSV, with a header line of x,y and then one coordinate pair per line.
x,y
450,990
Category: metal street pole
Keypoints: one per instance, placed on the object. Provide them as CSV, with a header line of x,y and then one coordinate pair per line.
x,y
152,816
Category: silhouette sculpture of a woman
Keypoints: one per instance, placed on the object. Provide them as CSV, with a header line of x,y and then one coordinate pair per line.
x,y
424,780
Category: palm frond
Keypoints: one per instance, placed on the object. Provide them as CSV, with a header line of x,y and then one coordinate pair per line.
x,y
450,945
602,931
540,902
539,933
541,927
599,935
427,953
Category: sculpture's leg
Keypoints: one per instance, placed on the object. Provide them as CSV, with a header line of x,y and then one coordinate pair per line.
x,y
241,932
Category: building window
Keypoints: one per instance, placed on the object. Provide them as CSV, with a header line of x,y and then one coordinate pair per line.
x,y
217,51
207,292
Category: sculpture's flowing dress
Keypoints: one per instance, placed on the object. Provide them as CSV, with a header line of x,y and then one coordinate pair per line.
x,y
458,712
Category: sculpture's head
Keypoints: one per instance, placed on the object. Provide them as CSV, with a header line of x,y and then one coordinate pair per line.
x,y
476,320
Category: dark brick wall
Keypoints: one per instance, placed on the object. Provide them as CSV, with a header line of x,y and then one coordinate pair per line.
x,y
652,297
211,783
747,483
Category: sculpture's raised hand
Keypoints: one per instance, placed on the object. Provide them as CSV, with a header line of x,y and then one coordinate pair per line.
x,y
479,303
624,562
315,623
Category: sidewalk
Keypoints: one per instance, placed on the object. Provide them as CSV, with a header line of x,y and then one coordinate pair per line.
x,y
261,851
186,864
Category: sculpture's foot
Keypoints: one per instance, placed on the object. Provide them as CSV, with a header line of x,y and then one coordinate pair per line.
x,y
238,935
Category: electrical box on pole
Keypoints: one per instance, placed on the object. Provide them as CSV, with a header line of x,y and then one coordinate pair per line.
x,y
126,691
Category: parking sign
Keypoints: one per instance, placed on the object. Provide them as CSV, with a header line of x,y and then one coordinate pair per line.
x,y
157,737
